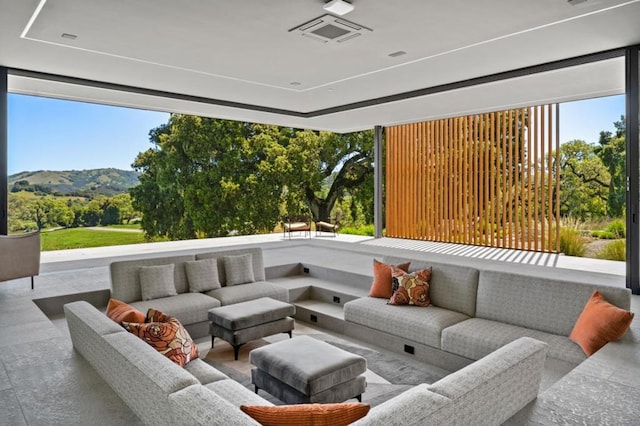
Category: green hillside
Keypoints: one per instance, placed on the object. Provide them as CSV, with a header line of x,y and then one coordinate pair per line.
x,y
74,182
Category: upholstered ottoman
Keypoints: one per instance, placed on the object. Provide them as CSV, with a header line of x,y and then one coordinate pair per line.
x,y
304,370
242,322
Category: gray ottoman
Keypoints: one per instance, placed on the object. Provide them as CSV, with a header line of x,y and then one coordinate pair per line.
x,y
306,370
242,322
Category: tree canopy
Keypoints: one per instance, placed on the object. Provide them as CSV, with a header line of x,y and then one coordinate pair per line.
x,y
207,177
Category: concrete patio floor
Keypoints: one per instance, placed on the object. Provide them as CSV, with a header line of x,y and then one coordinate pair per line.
x,y
44,382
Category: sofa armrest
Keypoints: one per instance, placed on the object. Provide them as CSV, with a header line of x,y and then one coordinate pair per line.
x,y
494,388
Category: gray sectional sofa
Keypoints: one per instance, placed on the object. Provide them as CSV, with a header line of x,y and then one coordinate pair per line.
x,y
502,333
475,312
189,307
162,393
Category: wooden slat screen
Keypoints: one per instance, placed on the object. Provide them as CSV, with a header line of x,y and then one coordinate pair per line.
x,y
488,179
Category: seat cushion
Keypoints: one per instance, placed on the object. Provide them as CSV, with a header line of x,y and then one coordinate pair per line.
x,y
308,365
421,324
188,308
250,313
204,372
477,337
243,292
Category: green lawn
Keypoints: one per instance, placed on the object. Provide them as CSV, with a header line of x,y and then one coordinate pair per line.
x,y
126,226
62,239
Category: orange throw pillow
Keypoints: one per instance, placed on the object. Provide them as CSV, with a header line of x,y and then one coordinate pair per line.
x,y
382,280
120,311
167,335
599,323
307,414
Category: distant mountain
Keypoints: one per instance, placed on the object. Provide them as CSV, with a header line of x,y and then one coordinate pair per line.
x,y
75,182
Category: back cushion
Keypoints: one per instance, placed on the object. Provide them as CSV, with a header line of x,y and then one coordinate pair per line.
x,y
451,287
125,276
256,255
544,304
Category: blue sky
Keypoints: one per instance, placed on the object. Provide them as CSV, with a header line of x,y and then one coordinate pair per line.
x,y
51,134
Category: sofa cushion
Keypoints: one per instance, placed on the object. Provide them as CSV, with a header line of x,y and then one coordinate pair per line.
x,y
198,405
202,275
421,325
157,281
340,414
477,337
204,372
452,286
410,288
125,278
383,280
235,393
119,311
167,335
244,292
238,269
544,304
256,259
188,308
599,323
416,406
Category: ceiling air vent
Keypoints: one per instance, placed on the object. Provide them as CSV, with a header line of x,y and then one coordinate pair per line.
x,y
330,29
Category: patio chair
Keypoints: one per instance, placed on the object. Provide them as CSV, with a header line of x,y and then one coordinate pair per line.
x,y
300,223
19,256
328,226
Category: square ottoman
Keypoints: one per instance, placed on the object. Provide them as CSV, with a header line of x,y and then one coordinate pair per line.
x,y
242,322
306,370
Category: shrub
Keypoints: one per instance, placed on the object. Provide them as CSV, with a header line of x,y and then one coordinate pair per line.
x,y
571,242
359,230
615,250
604,235
617,227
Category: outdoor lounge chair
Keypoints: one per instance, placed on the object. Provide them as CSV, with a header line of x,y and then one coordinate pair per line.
x,y
19,256
297,224
328,226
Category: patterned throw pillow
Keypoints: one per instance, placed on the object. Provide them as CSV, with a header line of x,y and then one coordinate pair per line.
x,y
382,280
411,289
167,335
119,312
307,414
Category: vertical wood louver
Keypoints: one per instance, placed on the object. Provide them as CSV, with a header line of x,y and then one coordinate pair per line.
x,y
488,179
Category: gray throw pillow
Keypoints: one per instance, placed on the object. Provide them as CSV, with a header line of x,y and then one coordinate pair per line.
x,y
239,269
157,281
202,275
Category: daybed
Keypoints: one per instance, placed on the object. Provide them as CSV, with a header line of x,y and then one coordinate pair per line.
x,y
162,393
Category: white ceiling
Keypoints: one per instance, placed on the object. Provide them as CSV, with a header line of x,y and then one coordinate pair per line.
x,y
243,52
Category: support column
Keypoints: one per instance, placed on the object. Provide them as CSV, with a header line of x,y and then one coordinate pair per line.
x,y
4,151
632,73
378,222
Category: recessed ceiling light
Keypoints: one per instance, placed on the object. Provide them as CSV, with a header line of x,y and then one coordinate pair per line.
x,y
398,53
339,7
69,36
295,83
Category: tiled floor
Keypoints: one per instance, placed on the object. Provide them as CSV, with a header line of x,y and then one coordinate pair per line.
x,y
44,382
